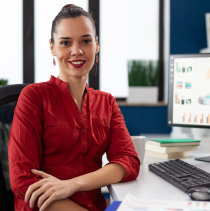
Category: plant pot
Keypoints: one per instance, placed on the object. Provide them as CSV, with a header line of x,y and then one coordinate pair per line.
x,y
143,94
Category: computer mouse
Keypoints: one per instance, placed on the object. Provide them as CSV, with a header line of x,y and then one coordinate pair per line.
x,y
199,193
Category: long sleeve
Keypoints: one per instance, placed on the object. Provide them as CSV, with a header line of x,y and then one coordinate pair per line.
x,y
25,149
121,149
51,134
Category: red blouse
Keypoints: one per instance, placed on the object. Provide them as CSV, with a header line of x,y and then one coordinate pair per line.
x,y
51,134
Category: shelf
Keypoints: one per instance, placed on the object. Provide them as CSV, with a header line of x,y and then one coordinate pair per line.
x,y
120,103
205,50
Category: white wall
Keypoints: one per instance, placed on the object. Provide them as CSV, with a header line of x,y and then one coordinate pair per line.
x,y
128,30
45,12
11,52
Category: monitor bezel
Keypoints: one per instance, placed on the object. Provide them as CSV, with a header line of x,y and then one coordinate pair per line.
x,y
171,87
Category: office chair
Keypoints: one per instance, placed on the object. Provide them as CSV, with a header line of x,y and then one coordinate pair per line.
x,y
8,98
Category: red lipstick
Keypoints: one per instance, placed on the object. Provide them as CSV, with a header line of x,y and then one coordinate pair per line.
x,y
77,63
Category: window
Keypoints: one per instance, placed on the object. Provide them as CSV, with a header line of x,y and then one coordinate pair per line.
x,y
128,30
11,61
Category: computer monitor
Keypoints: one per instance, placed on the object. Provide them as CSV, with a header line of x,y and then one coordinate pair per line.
x,y
189,91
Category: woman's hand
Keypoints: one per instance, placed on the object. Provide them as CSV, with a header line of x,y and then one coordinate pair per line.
x,y
48,190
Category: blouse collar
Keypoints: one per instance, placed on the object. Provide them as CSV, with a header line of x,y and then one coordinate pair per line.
x,y
59,82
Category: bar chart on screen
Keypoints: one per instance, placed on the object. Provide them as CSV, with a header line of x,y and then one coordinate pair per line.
x,y
196,118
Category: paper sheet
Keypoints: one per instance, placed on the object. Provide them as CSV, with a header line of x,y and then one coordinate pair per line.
x,y
130,203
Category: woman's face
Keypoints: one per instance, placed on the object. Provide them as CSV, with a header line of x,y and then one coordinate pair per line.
x,y
75,47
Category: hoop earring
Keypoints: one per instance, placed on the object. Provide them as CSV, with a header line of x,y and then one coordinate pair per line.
x,y
54,63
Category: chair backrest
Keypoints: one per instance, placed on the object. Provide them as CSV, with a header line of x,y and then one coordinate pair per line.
x,y
8,98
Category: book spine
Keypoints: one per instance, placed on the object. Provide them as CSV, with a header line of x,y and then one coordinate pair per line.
x,y
170,149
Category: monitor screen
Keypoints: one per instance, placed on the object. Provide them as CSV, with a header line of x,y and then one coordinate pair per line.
x,y
189,90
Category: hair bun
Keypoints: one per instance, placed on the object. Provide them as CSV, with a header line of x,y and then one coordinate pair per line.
x,y
69,5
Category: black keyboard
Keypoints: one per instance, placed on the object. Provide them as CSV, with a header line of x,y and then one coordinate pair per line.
x,y
181,174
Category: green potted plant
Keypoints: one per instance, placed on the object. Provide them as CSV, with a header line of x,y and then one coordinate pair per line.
x,y
3,81
143,79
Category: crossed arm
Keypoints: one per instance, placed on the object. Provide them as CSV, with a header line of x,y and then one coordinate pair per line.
x,y
52,193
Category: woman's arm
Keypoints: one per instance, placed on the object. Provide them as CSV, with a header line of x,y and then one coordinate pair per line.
x,y
25,149
50,189
109,174
64,205
121,149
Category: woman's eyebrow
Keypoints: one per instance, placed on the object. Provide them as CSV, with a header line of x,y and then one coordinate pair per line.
x,y
65,38
87,35
68,38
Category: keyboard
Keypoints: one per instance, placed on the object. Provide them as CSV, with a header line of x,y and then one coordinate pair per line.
x,y
181,174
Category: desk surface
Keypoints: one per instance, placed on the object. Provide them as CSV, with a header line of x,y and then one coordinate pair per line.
x,y
149,185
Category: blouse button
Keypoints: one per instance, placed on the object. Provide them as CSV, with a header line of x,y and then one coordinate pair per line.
x,y
89,205
83,130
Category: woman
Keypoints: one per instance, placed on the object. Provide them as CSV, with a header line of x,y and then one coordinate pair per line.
x,y
62,128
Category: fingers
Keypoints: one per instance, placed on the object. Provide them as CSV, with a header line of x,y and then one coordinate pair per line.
x,y
35,195
47,202
32,188
39,191
46,199
42,198
36,189
40,173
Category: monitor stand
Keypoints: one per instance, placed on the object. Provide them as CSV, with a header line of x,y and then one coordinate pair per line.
x,y
205,159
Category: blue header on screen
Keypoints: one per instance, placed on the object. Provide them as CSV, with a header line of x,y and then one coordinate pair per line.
x,y
187,25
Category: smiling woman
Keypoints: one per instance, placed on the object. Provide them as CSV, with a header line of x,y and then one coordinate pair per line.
x,y
74,48
42,33
61,129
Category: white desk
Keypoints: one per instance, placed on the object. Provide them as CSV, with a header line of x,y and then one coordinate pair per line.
x,y
149,185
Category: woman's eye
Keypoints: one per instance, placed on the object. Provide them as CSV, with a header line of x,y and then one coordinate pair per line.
x,y
87,41
65,43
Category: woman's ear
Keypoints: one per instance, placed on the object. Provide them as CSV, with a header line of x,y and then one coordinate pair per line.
x,y
52,48
97,48
97,45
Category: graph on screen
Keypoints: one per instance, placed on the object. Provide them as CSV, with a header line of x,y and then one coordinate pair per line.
x,y
190,77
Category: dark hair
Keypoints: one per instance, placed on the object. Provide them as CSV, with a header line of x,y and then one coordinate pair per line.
x,y
70,11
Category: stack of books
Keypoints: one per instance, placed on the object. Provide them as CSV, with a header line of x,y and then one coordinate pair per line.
x,y
170,148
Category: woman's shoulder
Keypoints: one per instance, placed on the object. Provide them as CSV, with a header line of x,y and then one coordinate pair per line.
x,y
99,93
102,96
37,87
35,91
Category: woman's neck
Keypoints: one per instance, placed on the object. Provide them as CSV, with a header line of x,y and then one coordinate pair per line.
x,y
76,87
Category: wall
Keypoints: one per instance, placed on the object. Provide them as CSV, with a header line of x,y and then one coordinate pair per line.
x,y
145,119
187,32
187,26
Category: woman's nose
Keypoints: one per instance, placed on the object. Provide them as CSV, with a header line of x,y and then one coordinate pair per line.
x,y
76,50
